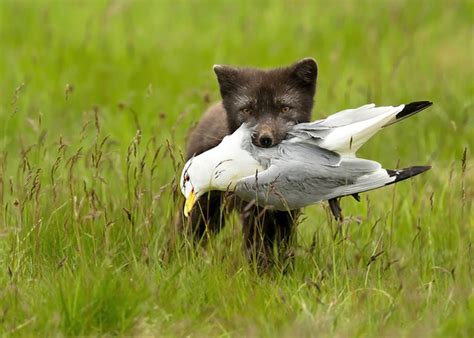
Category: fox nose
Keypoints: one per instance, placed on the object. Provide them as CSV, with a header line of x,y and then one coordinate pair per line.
x,y
265,141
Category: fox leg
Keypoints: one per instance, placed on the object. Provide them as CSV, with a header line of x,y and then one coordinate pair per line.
x,y
265,231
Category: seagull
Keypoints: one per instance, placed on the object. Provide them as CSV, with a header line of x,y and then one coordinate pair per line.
x,y
314,163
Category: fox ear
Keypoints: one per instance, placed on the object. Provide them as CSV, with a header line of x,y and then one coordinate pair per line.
x,y
306,70
227,77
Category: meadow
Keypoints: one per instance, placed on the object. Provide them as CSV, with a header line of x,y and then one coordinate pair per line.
x,y
96,99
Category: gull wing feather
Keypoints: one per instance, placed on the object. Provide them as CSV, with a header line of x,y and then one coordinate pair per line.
x,y
345,132
288,186
310,175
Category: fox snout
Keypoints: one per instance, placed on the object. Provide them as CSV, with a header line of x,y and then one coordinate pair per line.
x,y
267,135
265,141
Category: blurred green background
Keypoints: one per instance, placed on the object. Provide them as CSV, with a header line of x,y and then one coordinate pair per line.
x,y
82,246
157,57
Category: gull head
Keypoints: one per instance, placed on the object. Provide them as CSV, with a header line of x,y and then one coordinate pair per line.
x,y
218,168
204,173
195,181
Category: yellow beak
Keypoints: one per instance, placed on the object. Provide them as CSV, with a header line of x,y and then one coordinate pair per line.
x,y
190,201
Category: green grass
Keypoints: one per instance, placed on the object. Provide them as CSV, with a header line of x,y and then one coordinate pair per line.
x,y
87,201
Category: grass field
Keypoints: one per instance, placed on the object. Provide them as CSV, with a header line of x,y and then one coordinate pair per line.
x,y
96,99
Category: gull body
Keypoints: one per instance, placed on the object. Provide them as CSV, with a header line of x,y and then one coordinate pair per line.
x,y
316,162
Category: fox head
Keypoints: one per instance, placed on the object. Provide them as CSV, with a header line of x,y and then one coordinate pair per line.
x,y
271,101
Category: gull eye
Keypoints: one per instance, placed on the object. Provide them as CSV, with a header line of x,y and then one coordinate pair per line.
x,y
245,110
187,178
285,109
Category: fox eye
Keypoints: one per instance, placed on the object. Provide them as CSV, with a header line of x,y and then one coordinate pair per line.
x,y
285,109
245,110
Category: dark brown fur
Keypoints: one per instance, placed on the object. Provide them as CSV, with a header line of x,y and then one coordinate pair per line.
x,y
271,101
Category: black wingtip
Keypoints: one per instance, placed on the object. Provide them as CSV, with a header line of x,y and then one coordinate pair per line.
x,y
403,174
413,108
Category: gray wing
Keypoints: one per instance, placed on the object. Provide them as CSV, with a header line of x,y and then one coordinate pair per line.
x,y
304,174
